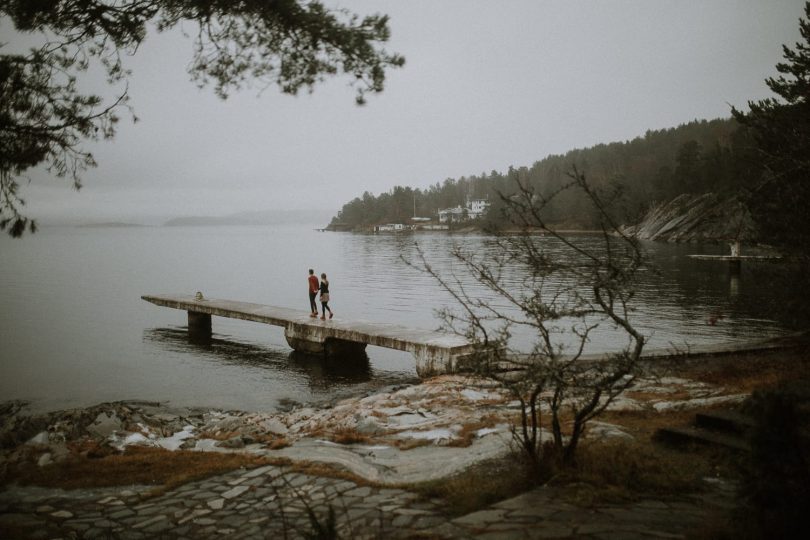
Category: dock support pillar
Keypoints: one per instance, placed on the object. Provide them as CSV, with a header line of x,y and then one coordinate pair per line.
x,y
432,361
199,324
736,249
311,340
735,263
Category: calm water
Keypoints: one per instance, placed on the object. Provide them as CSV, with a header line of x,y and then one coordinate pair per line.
x,y
74,332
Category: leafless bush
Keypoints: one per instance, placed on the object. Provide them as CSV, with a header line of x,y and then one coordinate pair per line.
x,y
550,286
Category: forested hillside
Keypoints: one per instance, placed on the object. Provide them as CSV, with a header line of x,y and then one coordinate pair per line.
x,y
698,157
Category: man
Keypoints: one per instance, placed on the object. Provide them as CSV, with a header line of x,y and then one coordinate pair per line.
x,y
314,286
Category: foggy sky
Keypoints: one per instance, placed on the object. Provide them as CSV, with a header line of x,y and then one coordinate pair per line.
x,y
486,85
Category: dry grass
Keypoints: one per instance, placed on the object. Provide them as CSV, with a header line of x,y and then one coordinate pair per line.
x,y
746,372
138,465
410,444
89,448
467,433
718,525
349,436
218,435
603,473
678,395
277,444
642,425
329,471
622,471
479,486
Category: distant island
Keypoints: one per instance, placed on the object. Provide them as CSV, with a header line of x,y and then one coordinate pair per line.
x,y
204,221
110,224
254,218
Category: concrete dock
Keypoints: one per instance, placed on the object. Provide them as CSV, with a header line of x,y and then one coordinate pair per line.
x,y
736,258
435,352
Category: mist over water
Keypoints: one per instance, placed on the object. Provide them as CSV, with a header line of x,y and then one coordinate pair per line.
x,y
74,331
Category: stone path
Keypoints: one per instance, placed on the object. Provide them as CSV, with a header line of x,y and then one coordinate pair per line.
x,y
273,502
541,513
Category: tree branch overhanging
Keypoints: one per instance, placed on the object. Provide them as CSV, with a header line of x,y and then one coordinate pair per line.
x,y
44,118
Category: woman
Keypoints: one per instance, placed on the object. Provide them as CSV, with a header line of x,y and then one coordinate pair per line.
x,y
325,298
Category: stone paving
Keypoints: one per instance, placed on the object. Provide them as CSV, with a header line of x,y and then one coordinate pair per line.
x,y
543,513
275,502
267,502
278,502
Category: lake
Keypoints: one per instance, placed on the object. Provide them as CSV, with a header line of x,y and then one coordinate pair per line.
x,y
74,331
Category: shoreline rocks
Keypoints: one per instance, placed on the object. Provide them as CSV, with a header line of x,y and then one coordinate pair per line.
x,y
706,218
411,433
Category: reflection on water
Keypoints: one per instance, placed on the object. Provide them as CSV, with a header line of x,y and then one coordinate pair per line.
x,y
326,371
320,372
676,299
74,331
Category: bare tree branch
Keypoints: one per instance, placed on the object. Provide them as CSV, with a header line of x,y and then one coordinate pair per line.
x,y
568,289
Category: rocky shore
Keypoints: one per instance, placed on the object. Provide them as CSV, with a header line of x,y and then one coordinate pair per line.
x,y
706,218
409,434
380,444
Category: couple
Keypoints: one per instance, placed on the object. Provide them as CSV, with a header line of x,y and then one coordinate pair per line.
x,y
314,287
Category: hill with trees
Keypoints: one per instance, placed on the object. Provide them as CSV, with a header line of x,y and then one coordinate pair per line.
x,y
702,156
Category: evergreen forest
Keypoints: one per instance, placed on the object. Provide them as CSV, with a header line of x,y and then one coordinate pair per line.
x,y
698,157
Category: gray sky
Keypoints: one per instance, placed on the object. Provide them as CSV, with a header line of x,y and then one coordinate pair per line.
x,y
486,85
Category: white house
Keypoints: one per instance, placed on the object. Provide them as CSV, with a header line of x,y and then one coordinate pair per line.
x,y
449,215
475,209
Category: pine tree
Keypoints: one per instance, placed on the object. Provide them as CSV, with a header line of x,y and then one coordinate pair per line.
x,y
781,131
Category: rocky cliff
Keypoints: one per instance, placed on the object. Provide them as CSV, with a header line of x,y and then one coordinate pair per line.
x,y
696,218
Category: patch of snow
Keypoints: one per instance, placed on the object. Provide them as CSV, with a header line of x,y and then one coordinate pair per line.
x,y
146,431
475,395
175,441
375,447
206,445
625,404
411,419
129,439
486,431
433,434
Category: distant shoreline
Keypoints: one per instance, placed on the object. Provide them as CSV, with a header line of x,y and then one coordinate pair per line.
x,y
110,224
464,229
